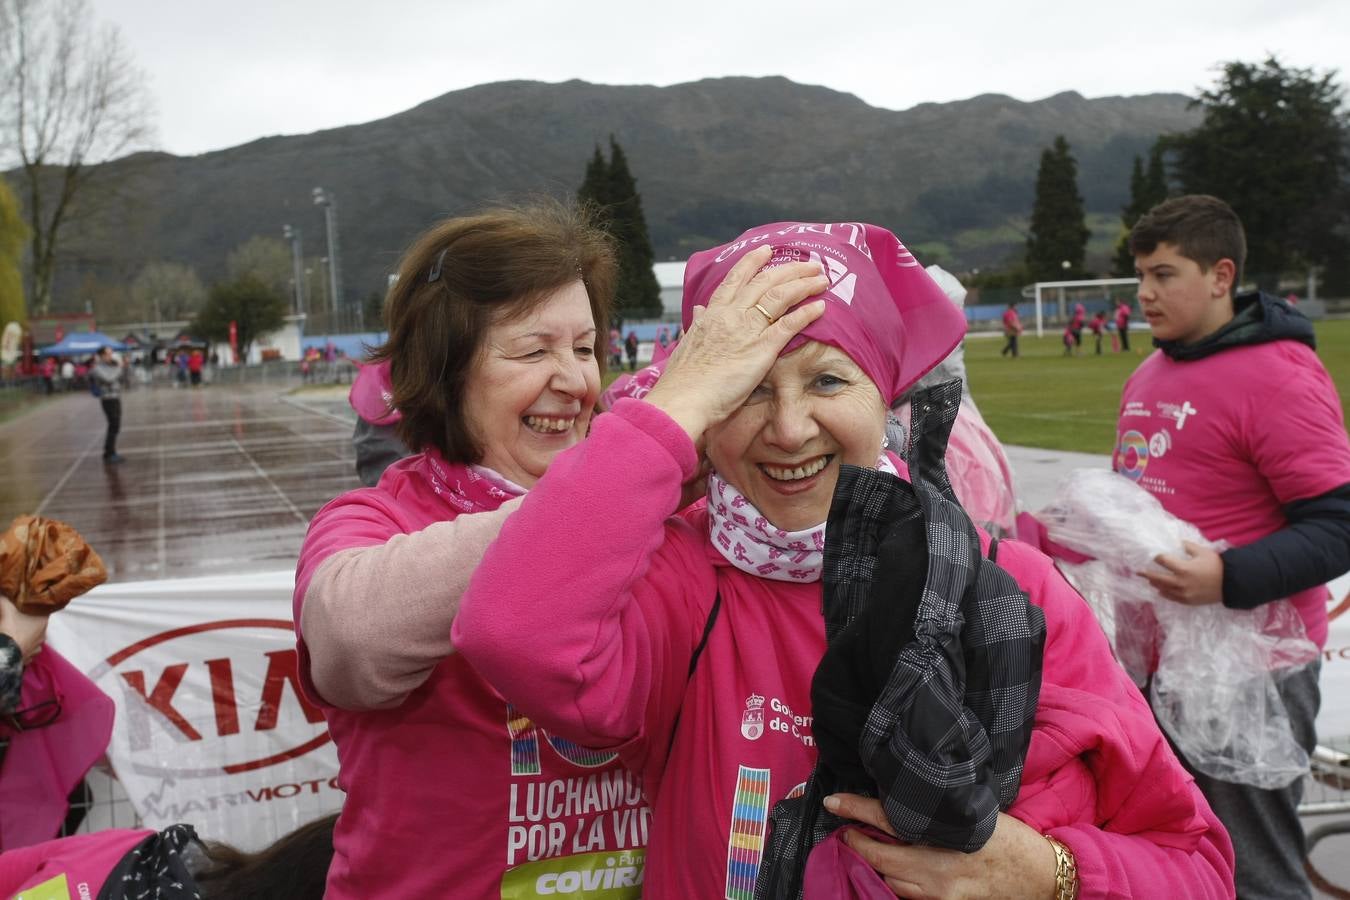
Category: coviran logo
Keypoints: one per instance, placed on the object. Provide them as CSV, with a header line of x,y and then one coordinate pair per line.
x,y
618,872
209,693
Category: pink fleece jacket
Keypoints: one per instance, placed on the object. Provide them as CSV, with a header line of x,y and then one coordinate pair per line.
x,y
450,792
593,640
72,867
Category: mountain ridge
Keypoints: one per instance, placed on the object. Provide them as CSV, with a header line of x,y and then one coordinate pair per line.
x,y
712,157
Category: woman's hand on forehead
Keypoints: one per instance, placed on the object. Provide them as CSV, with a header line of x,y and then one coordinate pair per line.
x,y
734,341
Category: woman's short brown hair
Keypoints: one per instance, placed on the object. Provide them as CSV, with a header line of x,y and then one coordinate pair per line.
x,y
466,274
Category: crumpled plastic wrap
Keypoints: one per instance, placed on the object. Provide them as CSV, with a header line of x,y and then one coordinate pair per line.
x,y
1214,669
44,564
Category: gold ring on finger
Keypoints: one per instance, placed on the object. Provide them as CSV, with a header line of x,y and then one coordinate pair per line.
x,y
768,315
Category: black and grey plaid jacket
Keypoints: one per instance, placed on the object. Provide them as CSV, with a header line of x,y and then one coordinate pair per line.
x,y
927,691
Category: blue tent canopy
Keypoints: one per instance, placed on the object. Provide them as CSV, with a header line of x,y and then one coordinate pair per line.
x,y
81,343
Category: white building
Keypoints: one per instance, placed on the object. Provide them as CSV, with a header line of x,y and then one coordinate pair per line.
x,y
670,275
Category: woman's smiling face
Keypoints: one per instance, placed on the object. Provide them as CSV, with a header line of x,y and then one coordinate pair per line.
x,y
534,385
814,411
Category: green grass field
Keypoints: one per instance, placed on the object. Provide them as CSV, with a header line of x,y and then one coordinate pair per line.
x,y
1045,399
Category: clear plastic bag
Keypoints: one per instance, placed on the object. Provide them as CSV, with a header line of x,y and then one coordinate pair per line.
x,y
1214,669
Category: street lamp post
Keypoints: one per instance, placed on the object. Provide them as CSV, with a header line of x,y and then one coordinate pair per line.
x,y
329,203
297,269
323,280
1063,291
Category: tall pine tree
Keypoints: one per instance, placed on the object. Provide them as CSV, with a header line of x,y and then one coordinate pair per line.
x,y
1059,233
1147,190
610,186
594,188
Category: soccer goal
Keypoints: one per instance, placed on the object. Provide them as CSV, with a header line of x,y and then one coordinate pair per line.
x,y
1093,293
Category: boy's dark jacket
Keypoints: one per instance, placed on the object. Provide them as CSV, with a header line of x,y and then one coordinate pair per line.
x,y
1258,318
1315,546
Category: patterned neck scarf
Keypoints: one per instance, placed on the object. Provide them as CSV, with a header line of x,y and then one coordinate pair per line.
x,y
753,544
468,489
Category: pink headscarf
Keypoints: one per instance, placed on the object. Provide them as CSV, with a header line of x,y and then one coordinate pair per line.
x,y
882,308
372,395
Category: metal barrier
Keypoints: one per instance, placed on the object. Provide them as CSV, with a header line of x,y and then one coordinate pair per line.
x,y
1326,791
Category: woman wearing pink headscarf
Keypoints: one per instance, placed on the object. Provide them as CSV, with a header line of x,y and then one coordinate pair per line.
x,y
687,642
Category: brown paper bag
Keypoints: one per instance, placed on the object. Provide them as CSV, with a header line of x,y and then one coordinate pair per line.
x,y
44,564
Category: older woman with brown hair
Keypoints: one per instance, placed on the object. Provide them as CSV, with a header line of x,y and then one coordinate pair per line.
x,y
495,333
978,702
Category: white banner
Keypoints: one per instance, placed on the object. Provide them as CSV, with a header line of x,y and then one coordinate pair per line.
x,y
1333,721
211,729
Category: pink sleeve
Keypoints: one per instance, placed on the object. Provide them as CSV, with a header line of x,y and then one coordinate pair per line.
x,y
1112,867
1297,431
576,612
376,619
1151,834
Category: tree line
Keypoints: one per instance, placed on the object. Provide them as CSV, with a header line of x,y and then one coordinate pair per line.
x,y
1272,143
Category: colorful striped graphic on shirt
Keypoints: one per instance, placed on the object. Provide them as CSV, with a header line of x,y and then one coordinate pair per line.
x,y
524,743
525,747
749,814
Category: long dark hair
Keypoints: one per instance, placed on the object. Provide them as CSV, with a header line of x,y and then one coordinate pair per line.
x,y
295,867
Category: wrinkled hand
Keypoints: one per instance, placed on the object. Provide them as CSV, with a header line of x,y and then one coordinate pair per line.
x,y
1017,862
1194,580
731,345
28,631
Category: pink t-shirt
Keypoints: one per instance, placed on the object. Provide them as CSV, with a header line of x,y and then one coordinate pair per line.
x,y
1227,441
453,793
1011,323
73,867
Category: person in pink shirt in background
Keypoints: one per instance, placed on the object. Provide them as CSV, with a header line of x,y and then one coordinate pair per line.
x,y
1098,325
1012,330
1123,325
494,363
686,641
1235,426
1076,325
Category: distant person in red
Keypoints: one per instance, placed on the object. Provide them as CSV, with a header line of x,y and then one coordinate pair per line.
x,y
48,371
1076,325
1123,325
195,362
1071,338
1291,298
1012,329
1098,326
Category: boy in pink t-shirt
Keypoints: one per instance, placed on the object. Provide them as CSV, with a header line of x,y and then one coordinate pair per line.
x,y
1235,426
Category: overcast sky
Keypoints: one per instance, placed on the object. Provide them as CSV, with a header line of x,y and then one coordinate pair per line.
x,y
222,73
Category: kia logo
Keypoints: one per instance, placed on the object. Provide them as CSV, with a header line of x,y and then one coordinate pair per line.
x,y
188,714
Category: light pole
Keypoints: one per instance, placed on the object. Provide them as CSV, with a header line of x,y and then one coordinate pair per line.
x,y
327,300
297,269
329,203
1063,291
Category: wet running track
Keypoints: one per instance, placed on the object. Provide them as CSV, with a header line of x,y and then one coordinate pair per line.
x,y
221,478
